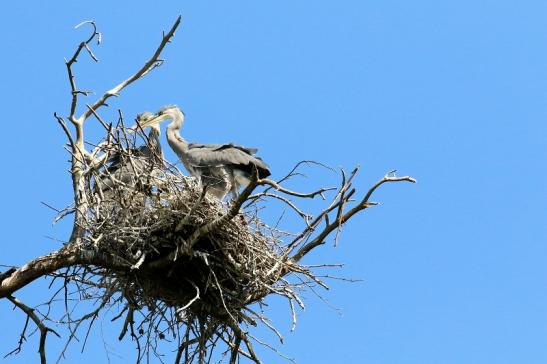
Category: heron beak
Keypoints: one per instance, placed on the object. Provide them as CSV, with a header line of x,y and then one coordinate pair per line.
x,y
141,121
152,120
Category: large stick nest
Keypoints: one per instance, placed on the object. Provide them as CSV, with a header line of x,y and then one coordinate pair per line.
x,y
179,256
180,262
147,224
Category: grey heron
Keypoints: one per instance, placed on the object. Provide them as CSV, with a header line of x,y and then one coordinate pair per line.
x,y
222,168
144,160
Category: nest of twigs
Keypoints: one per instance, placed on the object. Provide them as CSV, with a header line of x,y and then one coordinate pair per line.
x,y
190,264
150,228
182,266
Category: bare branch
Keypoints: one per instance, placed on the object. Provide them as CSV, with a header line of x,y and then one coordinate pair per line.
x,y
293,193
38,322
61,122
66,256
345,217
74,59
147,67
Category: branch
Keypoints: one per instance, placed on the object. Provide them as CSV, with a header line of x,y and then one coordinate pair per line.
x,y
296,194
69,255
345,217
79,153
43,328
152,63
61,122
240,335
6,274
234,355
85,44
64,257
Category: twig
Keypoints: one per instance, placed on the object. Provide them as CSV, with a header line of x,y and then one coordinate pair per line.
x,y
345,217
147,67
73,60
279,188
207,228
38,322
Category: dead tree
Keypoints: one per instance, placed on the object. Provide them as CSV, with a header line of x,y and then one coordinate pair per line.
x,y
173,265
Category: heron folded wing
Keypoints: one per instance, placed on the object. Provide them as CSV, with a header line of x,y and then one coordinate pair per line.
x,y
216,157
228,156
219,147
206,146
250,151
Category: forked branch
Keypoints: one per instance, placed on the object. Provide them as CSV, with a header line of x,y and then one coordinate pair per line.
x,y
152,63
344,217
31,314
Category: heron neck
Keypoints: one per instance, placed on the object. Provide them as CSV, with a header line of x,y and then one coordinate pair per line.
x,y
175,140
154,142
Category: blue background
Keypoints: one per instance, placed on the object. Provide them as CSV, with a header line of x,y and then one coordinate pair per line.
x,y
451,92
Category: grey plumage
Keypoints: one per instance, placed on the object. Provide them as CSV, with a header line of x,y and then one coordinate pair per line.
x,y
220,167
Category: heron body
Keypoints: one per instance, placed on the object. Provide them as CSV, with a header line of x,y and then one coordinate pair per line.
x,y
222,168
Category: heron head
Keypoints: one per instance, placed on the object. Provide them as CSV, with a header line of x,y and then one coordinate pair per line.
x,y
141,121
170,112
142,117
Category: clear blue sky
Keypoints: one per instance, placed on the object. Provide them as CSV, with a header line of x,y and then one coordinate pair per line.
x,y
452,92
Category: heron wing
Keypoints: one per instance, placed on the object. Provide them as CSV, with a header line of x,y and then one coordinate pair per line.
x,y
218,147
206,155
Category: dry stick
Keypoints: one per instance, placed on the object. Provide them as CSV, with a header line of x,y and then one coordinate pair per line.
x,y
95,162
61,122
152,63
182,347
78,148
209,227
237,331
22,339
77,167
265,344
296,194
81,320
43,328
341,193
186,218
345,217
288,202
74,90
231,346
266,322
292,173
194,299
323,215
68,256
128,320
235,350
